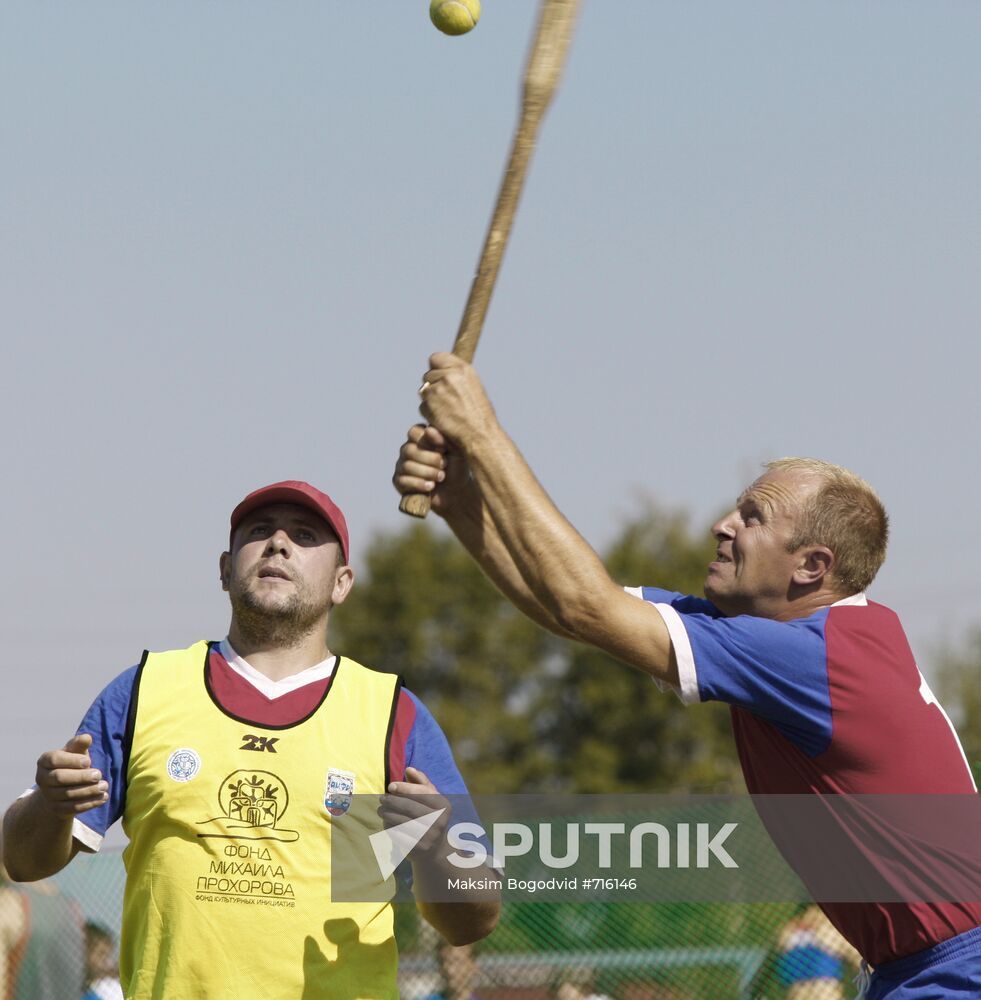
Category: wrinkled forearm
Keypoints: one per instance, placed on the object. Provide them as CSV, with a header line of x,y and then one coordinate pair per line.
x,y
471,522
558,569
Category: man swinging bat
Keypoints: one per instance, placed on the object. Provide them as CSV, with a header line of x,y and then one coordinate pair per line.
x,y
825,695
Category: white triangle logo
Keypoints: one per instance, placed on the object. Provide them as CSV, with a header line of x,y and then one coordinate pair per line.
x,y
394,845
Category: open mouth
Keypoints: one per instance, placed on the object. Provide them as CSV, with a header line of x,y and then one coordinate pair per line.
x,y
270,573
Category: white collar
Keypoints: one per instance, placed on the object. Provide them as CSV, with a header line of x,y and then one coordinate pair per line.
x,y
268,687
858,600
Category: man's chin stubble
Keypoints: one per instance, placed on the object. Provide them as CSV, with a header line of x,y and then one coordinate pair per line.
x,y
285,625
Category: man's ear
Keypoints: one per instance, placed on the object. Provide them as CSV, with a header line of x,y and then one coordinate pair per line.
x,y
816,564
225,569
343,582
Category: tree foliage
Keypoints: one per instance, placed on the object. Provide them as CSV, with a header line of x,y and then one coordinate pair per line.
x,y
615,730
523,710
427,612
959,686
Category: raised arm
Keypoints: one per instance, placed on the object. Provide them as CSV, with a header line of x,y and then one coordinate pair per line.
x,y
37,828
427,463
558,571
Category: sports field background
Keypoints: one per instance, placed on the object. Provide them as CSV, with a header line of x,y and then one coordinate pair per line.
x,y
625,951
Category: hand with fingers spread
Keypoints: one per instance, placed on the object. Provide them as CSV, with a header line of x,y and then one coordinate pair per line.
x,y
38,836
66,781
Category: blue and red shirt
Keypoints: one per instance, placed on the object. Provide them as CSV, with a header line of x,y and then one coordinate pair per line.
x,y
830,704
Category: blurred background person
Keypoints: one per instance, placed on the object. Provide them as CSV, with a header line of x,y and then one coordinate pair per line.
x,y
101,964
813,957
578,985
458,972
41,942
13,928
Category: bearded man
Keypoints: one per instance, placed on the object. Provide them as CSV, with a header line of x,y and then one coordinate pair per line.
x,y
229,764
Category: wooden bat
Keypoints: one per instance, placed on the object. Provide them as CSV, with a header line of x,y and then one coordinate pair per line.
x,y
542,70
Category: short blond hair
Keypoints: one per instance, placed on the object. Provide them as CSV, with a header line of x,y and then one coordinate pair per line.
x,y
844,514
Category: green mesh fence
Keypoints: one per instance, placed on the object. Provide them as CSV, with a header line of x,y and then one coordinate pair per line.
x,y
570,951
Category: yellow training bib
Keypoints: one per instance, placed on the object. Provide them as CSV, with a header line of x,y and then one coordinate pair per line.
x,y
228,866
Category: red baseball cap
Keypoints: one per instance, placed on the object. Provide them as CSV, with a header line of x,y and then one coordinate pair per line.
x,y
294,491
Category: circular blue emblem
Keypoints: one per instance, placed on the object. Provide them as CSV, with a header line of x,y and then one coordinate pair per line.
x,y
184,764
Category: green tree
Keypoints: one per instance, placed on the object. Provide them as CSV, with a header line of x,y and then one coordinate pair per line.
x,y
958,671
524,710
613,730
427,612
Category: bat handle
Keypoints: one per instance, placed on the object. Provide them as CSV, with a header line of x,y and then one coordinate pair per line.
x,y
548,52
415,504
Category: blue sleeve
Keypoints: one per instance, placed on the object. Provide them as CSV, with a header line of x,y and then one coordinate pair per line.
x,y
428,750
106,723
682,603
776,670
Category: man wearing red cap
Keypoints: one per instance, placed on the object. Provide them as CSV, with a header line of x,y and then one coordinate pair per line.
x,y
229,764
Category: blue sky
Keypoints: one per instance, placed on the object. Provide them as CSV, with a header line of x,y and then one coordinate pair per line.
x,y
234,231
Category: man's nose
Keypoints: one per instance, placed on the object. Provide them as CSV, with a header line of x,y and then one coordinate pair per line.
x,y
725,526
278,541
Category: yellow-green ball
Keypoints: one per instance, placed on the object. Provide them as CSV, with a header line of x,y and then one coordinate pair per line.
x,y
454,17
